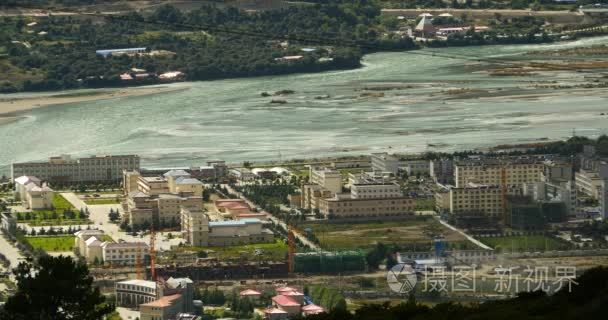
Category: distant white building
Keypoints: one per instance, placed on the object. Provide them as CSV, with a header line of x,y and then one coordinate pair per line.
x,y
33,193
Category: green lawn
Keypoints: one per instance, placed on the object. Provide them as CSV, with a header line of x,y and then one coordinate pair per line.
x,y
271,251
525,243
102,201
362,235
53,216
52,243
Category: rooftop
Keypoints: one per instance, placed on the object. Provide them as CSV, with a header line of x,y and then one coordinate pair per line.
x,y
165,301
234,223
176,173
250,292
285,301
141,283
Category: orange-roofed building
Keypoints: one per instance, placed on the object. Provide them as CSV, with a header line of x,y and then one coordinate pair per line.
x,y
296,295
312,309
287,304
162,309
233,207
281,290
251,294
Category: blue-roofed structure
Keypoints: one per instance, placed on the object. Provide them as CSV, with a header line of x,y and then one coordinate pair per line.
x,y
107,52
234,223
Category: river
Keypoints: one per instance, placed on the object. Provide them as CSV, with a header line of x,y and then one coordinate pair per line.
x,y
230,120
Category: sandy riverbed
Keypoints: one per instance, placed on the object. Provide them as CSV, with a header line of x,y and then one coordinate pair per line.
x,y
11,107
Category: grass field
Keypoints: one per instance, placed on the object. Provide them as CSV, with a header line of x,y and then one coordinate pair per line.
x,y
525,243
53,216
102,201
52,243
363,235
276,251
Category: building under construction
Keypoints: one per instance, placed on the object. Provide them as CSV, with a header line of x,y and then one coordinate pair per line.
x,y
329,262
215,270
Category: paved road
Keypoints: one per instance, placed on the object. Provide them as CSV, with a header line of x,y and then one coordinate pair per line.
x,y
475,241
274,219
12,254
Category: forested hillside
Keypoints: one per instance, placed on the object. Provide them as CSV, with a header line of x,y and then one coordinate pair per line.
x,y
58,52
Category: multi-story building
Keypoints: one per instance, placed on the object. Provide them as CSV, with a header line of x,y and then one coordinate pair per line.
x,y
130,180
165,308
164,208
358,208
415,167
65,170
124,253
326,178
152,185
588,182
384,162
311,194
442,170
199,231
33,194
474,198
195,226
132,293
375,190
242,174
489,171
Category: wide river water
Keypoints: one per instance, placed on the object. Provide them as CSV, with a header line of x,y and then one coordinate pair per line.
x,y
329,114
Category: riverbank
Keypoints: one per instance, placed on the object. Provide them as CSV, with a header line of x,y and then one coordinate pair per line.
x,y
12,106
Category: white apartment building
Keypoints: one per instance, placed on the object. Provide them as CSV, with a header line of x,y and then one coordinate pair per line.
x,y
65,169
124,253
588,182
132,293
385,162
326,178
195,226
33,194
376,190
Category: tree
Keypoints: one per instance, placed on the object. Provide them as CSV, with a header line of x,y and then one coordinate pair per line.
x,y
55,288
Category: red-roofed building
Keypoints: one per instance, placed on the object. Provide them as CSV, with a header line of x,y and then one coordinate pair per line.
x,y
312,309
233,207
275,314
251,294
287,304
162,309
282,290
296,295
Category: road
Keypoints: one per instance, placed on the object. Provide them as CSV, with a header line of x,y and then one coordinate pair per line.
x,y
274,219
475,241
12,254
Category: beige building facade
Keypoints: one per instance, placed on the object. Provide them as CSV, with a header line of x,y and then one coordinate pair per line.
x,y
489,172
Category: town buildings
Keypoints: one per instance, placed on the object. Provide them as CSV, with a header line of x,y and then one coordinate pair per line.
x,y
33,194
66,170
199,231
93,246
160,198
489,171
157,300
370,195
290,303
327,178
